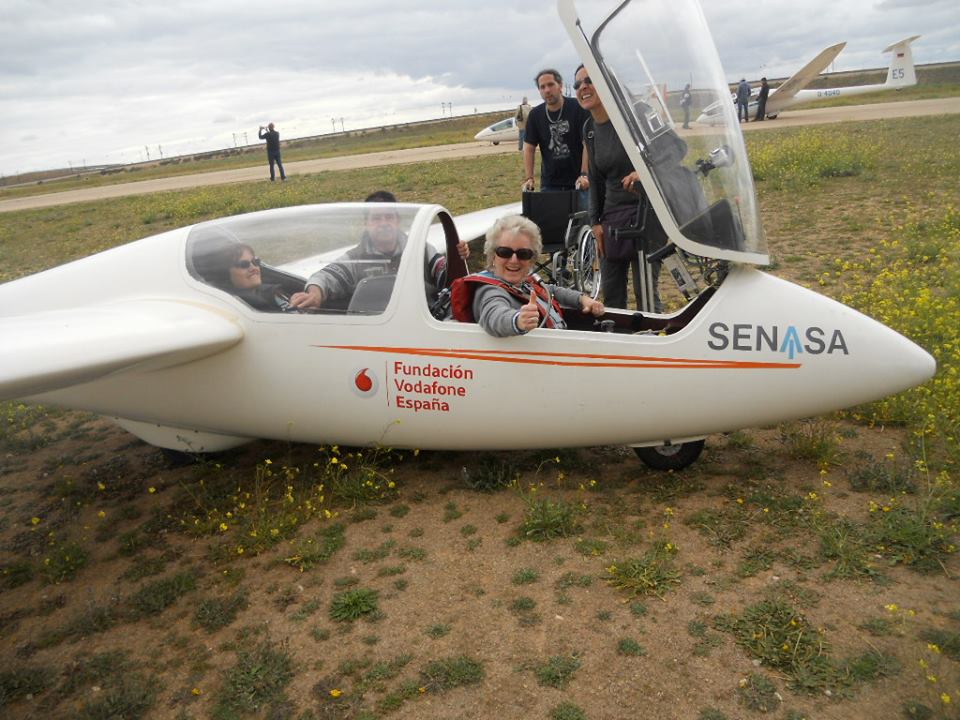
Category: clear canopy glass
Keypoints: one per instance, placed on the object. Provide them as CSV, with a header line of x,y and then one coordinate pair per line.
x,y
339,247
697,177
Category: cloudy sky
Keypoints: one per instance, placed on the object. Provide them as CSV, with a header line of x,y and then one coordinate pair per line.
x,y
111,81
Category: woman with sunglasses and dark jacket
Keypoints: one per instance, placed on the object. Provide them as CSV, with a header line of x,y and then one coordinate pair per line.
x,y
506,299
234,267
617,202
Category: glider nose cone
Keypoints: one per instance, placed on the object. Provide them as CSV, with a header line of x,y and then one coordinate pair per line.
x,y
917,365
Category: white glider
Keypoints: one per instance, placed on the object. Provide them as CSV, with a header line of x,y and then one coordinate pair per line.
x,y
500,131
151,334
900,74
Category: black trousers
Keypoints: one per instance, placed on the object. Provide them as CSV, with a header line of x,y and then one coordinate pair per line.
x,y
275,158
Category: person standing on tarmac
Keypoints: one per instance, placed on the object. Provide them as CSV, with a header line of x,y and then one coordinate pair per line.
x,y
273,149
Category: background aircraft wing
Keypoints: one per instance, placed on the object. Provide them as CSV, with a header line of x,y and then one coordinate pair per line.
x,y
804,76
52,350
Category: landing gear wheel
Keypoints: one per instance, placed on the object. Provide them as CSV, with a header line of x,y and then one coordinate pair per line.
x,y
587,263
670,457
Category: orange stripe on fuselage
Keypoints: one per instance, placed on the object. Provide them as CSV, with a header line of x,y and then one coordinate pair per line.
x,y
576,359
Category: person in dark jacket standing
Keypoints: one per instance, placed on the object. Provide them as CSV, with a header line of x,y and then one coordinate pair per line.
x,y
762,100
686,100
617,201
273,149
743,100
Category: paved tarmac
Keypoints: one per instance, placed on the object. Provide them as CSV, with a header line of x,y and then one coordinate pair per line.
x,y
816,116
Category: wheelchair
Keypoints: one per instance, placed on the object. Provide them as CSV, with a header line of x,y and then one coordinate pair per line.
x,y
568,242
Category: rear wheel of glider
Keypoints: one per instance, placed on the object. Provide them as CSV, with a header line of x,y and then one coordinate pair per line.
x,y
670,457
587,263
495,142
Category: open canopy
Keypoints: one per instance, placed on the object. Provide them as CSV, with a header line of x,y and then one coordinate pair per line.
x,y
640,58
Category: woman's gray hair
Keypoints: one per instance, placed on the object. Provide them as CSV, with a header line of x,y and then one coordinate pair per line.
x,y
511,225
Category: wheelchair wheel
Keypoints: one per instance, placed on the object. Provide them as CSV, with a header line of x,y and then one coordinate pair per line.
x,y
587,263
670,457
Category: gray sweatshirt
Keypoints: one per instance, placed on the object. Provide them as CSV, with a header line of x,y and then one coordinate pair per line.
x,y
495,309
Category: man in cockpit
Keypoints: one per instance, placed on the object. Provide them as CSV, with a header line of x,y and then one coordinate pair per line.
x,y
377,253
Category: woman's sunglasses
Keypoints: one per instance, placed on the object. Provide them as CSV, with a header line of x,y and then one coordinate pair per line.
x,y
506,253
245,264
584,81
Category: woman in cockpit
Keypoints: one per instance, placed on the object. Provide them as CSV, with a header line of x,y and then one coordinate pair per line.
x,y
234,267
508,298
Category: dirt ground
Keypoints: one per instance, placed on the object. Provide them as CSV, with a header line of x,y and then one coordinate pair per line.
x,y
466,578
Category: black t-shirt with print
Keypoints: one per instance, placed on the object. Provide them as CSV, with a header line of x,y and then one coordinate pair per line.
x,y
559,135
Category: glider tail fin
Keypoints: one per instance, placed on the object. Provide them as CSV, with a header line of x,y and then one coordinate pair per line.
x,y
901,72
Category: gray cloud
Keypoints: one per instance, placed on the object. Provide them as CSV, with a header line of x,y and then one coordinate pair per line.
x,y
98,80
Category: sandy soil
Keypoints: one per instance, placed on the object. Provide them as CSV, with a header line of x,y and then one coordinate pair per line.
x,y
450,152
466,583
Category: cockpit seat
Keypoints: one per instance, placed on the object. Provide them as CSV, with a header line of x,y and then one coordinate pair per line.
x,y
371,295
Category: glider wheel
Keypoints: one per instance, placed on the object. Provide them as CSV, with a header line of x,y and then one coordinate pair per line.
x,y
670,457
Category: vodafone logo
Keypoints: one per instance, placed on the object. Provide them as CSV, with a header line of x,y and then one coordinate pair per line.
x,y
365,383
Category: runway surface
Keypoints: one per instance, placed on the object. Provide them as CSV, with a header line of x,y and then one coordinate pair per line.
x,y
817,116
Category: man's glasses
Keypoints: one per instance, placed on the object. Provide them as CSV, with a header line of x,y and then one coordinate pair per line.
x,y
507,252
383,217
245,264
584,81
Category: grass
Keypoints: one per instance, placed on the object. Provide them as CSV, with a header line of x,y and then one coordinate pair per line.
x,y
453,672
629,646
132,695
653,573
545,519
257,680
525,576
831,503
557,671
756,692
155,597
216,613
567,711
491,474
381,139
351,605
24,681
